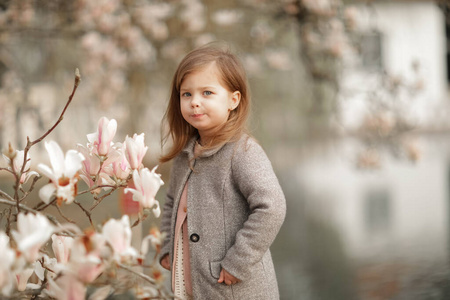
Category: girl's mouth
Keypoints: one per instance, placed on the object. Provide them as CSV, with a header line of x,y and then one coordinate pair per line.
x,y
196,115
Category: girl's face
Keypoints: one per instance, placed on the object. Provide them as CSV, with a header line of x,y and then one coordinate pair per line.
x,y
205,103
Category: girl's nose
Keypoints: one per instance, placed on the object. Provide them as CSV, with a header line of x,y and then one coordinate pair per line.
x,y
195,103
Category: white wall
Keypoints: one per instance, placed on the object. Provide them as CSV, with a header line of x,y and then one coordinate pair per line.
x,y
411,31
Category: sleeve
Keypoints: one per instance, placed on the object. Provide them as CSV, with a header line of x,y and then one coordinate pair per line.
x,y
166,218
254,177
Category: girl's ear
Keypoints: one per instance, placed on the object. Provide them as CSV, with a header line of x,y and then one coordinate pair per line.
x,y
235,99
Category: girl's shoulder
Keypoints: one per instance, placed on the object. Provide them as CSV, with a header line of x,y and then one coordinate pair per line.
x,y
248,148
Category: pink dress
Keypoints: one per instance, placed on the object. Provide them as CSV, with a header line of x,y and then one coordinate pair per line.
x,y
181,269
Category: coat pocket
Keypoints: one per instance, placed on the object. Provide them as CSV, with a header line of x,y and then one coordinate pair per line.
x,y
215,267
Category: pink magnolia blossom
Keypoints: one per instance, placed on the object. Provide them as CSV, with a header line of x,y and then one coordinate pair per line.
x,y
118,168
101,140
64,176
135,150
66,287
118,234
90,166
147,184
85,259
61,246
33,232
17,166
22,278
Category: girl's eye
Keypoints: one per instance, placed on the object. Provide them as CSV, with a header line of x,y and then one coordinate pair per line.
x,y
187,94
207,93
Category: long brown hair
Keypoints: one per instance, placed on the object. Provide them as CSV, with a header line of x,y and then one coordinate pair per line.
x,y
233,78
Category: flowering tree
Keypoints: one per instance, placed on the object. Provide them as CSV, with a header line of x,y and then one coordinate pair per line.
x,y
98,257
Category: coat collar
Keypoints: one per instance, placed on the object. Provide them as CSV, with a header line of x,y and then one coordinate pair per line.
x,y
190,146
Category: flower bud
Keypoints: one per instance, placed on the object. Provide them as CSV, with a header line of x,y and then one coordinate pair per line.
x,y
77,77
10,153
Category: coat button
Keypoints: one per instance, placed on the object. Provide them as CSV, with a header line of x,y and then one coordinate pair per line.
x,y
194,237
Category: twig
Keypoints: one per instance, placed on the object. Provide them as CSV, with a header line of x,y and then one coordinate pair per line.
x,y
98,187
98,200
39,208
7,170
143,276
62,215
35,179
30,144
13,203
139,220
4,195
88,213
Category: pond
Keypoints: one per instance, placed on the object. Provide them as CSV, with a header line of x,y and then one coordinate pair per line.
x,y
373,234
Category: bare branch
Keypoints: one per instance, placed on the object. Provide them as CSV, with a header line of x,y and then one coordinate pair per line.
x,y
61,117
87,212
99,200
35,179
4,195
62,215
143,276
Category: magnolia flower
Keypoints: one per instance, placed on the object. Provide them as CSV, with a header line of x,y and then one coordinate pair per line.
x,y
48,264
90,166
147,184
155,237
135,150
118,234
22,278
33,232
66,287
119,167
17,162
8,257
85,260
64,176
101,140
61,246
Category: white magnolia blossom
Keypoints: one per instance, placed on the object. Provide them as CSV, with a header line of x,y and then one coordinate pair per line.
x,y
17,166
33,232
63,174
155,238
118,234
8,256
147,184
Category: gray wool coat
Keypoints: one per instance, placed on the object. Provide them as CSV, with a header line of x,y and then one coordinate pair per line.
x,y
235,210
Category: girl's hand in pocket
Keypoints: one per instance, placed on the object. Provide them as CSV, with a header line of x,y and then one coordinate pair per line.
x,y
165,262
227,278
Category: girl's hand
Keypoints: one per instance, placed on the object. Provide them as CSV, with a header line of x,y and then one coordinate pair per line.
x,y
165,262
227,278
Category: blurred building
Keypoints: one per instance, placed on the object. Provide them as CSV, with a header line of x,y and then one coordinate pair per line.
x,y
392,218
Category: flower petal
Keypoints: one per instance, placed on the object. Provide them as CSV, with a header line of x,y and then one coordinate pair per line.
x,y
72,163
56,158
46,192
44,169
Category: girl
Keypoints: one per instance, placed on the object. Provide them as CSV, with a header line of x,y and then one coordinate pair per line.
x,y
224,205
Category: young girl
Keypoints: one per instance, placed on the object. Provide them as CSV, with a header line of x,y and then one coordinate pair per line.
x,y
224,205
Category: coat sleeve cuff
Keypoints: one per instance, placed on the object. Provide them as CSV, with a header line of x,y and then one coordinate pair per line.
x,y
241,272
